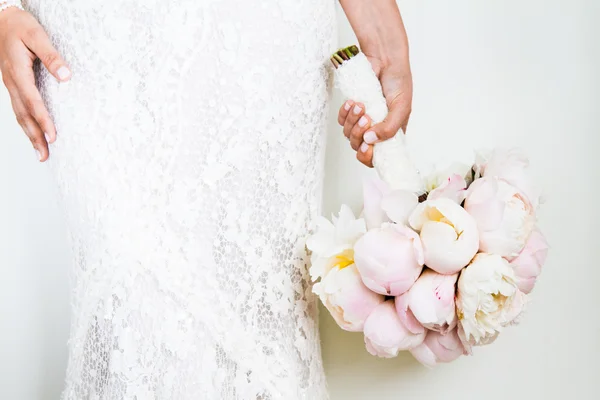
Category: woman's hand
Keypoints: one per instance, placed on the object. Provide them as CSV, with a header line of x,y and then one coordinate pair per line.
x,y
381,34
22,40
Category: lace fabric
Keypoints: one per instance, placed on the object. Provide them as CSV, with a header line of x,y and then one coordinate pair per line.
x,y
189,163
4,4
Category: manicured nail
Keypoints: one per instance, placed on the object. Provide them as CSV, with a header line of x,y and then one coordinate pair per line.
x,y
347,106
357,110
47,137
363,121
364,147
63,73
38,154
370,137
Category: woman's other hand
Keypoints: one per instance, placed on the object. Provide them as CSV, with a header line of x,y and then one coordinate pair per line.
x,y
22,40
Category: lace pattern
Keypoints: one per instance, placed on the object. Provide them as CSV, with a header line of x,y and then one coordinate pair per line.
x,y
4,4
189,162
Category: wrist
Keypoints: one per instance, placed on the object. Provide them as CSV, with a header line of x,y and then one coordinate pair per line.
x,y
389,46
380,30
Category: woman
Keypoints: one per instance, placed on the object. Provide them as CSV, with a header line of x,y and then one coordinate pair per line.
x,y
187,143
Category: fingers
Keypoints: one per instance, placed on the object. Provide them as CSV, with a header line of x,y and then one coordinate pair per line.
x,y
362,133
38,42
22,42
396,120
344,110
354,114
358,131
30,127
31,103
355,122
365,154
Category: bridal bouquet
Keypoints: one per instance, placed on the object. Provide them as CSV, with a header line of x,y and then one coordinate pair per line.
x,y
434,265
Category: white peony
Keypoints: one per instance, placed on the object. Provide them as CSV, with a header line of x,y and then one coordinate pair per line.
x,y
487,299
332,243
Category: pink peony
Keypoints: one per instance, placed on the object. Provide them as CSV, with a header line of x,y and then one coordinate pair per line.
x,y
453,188
389,259
504,216
385,335
510,166
528,264
348,300
438,348
431,301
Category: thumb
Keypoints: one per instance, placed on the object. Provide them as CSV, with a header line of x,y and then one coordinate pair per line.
x,y
38,42
395,121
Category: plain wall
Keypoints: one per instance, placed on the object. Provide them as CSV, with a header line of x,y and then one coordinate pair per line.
x,y
486,73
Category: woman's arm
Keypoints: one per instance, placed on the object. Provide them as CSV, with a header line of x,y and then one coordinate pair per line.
x,y
22,40
382,37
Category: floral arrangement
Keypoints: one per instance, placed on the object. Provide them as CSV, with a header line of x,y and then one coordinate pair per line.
x,y
434,265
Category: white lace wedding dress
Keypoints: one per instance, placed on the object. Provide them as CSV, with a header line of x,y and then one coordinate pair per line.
x,y
189,162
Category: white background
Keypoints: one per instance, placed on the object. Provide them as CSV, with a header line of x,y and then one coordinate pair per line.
x,y
487,73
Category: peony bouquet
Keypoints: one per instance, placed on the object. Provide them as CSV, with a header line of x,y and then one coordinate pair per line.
x,y
434,265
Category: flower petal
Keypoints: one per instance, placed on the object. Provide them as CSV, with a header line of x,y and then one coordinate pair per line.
x,y
374,190
452,188
398,205
406,316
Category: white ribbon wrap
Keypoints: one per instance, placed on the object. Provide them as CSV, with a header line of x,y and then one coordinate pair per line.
x,y
357,81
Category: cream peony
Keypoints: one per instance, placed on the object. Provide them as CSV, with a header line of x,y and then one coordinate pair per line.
x,y
504,216
438,348
487,299
431,301
348,300
449,234
332,242
385,335
389,259
528,265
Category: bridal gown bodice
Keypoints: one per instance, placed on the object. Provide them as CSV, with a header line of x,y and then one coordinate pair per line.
x,y
189,164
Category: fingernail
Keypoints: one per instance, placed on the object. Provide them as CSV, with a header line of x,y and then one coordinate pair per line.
x,y
370,137
357,110
364,147
63,73
38,154
47,137
347,106
362,121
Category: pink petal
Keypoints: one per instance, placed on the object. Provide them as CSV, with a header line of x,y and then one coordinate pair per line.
x,y
453,188
406,316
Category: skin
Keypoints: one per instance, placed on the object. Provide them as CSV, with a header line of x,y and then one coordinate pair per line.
x,y
377,24
382,38
22,41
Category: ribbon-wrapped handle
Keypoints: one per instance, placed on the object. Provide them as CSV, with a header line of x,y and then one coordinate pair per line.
x,y
357,81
